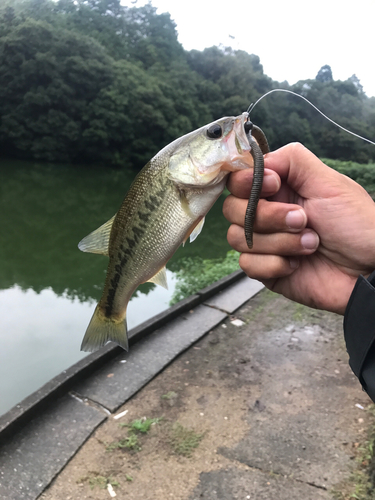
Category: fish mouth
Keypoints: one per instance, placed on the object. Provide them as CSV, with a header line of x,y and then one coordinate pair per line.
x,y
238,147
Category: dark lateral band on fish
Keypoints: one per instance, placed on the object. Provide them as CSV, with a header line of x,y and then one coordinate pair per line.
x,y
165,205
259,147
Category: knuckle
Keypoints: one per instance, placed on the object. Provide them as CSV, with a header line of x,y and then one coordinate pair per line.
x,y
233,235
297,148
227,207
273,266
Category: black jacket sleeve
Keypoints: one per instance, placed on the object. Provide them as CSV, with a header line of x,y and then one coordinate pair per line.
x,y
359,331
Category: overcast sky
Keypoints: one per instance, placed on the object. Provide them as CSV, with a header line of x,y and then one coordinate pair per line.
x,y
293,38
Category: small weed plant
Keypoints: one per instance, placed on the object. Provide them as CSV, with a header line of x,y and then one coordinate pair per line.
x,y
360,485
131,441
100,481
184,440
169,395
142,425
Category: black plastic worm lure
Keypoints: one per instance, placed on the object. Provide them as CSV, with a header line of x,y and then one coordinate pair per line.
x,y
259,147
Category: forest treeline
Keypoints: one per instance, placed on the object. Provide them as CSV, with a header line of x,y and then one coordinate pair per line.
x,y
91,81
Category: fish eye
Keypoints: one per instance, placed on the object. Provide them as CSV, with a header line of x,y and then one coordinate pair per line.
x,y
214,132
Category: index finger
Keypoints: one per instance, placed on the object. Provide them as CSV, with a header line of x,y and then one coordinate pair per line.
x,y
240,182
302,170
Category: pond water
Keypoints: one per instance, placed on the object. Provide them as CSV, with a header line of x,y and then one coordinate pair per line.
x,y
48,288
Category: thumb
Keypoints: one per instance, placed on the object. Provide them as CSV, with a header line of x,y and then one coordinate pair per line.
x,y
302,170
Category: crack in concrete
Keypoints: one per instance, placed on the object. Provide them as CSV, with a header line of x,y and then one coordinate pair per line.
x,y
90,402
217,308
279,474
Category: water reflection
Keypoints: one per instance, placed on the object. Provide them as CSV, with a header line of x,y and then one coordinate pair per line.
x,y
46,210
42,333
39,331
48,288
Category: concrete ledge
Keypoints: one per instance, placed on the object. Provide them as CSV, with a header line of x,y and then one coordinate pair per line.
x,y
129,372
59,421
220,285
35,456
233,296
32,405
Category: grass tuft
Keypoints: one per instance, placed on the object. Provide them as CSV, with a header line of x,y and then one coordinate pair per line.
x,y
142,424
100,481
131,441
360,485
184,440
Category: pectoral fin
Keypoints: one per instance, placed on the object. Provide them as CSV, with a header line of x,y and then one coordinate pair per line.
x,y
184,202
194,231
98,240
160,278
197,230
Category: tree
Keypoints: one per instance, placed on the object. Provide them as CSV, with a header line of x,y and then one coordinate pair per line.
x,y
94,81
47,78
324,74
357,83
237,76
151,38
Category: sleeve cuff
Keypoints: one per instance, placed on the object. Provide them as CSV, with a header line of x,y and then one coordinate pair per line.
x,y
359,331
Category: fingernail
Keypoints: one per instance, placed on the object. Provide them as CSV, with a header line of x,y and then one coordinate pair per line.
x,y
271,183
295,219
310,241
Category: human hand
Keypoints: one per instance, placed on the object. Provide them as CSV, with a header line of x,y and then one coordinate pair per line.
x,y
313,235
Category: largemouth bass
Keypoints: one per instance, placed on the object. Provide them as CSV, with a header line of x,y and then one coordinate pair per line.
x,y
165,205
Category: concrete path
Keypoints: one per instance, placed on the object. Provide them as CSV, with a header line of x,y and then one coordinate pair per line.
x,y
267,392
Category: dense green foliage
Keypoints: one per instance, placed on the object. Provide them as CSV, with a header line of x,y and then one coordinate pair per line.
x,y
196,273
363,174
92,81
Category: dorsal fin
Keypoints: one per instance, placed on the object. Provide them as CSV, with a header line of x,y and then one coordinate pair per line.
x,y
98,240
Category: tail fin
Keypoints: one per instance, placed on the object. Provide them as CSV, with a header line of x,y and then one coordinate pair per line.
x,y
101,330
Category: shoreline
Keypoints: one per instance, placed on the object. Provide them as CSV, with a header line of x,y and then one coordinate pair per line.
x,y
41,424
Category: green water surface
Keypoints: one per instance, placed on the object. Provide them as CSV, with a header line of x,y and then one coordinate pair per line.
x,y
48,288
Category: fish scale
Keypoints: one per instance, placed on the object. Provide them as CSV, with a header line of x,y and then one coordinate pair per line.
x,y
141,244
166,204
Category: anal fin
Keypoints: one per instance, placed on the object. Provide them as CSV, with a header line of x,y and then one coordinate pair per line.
x,y
160,278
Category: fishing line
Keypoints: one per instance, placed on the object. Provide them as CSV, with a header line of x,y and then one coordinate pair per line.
x,y
252,106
